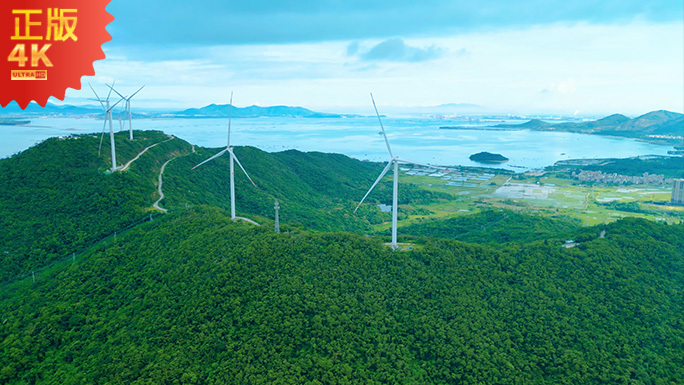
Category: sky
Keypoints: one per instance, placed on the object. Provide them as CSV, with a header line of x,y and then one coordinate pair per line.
x,y
496,56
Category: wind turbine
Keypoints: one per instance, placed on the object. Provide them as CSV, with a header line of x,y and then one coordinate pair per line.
x,y
394,161
229,150
108,117
127,108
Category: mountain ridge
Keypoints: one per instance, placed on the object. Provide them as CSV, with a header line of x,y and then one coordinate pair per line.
x,y
225,110
653,125
209,111
315,190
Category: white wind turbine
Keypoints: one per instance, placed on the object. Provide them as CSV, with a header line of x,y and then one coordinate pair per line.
x,y
229,150
108,118
395,191
127,108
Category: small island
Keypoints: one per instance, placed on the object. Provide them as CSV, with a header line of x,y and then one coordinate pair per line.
x,y
488,157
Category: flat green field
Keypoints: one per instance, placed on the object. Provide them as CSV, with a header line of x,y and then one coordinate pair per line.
x,y
553,195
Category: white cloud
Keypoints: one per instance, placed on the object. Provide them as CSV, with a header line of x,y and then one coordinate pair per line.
x,y
629,68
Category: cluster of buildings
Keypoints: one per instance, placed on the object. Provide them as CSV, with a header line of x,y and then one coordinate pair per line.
x,y
601,177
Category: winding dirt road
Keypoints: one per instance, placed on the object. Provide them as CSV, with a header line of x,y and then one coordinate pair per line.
x,y
127,165
159,188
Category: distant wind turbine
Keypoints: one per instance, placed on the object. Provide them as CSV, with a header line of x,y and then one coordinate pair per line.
x,y
395,191
229,150
127,107
108,118
121,123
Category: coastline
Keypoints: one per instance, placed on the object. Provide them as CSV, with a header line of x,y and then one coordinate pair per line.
x,y
667,142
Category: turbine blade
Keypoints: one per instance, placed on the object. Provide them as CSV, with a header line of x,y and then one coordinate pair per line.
x,y
420,164
382,127
99,151
243,169
230,115
212,158
139,89
97,96
112,107
111,88
382,174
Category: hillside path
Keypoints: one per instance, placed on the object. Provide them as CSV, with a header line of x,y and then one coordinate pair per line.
x,y
248,220
127,165
159,188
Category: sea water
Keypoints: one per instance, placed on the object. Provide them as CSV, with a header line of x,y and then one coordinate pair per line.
x,y
416,139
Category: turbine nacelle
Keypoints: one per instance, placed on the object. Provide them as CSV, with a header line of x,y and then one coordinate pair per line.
x,y
127,108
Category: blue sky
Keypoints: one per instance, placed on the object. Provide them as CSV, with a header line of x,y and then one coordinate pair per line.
x,y
523,57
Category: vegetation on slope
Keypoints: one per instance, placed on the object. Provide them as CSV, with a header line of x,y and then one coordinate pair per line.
x,y
56,197
670,167
315,190
495,226
195,298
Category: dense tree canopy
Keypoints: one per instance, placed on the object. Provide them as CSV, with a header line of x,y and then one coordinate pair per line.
x,y
57,196
195,298
316,190
495,226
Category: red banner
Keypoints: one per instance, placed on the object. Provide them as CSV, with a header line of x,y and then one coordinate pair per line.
x,y
46,46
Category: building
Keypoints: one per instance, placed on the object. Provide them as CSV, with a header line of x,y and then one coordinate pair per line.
x,y
678,192
569,244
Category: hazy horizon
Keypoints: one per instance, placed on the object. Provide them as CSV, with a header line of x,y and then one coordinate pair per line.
x,y
428,110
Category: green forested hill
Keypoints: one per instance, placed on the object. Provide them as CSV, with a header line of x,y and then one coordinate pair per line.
x,y
195,298
314,189
56,197
653,123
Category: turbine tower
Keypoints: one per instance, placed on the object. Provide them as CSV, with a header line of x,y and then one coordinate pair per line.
x,y
108,118
277,219
394,161
127,108
121,123
229,150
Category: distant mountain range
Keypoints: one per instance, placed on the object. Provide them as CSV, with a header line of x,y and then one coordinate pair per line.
x,y
210,111
653,125
223,111
50,109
